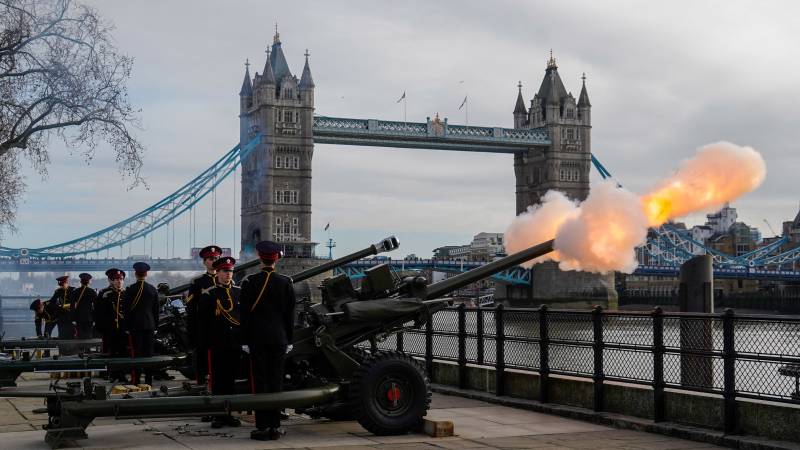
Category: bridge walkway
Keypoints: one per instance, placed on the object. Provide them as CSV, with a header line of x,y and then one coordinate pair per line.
x,y
478,425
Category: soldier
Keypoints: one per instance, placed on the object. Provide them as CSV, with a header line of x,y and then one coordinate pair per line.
x,y
218,315
141,318
83,300
199,286
267,312
61,299
108,318
43,315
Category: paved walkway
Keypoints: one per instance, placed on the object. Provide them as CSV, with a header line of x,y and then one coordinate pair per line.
x,y
478,425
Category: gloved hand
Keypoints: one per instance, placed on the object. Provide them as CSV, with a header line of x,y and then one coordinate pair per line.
x,y
289,348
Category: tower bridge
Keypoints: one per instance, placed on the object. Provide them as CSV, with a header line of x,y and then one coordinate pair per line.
x,y
550,144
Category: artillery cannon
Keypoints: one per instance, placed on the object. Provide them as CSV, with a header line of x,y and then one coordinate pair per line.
x,y
388,392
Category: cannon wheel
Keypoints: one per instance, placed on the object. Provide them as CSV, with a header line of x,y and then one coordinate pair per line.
x,y
390,394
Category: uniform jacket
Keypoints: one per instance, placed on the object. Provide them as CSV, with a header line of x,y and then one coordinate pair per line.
x,y
218,317
45,316
108,311
141,306
268,321
61,304
82,300
197,289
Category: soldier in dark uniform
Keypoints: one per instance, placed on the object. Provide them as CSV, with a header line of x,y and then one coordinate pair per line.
x,y
267,316
108,318
61,299
43,315
141,318
218,315
82,300
200,286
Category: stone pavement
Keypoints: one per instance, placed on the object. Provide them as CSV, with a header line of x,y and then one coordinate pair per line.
x,y
478,425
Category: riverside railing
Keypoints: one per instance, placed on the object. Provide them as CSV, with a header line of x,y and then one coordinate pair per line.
x,y
734,356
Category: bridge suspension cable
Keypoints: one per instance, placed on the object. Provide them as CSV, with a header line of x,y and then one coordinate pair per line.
x,y
161,214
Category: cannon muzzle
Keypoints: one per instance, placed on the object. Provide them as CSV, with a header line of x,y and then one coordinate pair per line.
x,y
444,287
384,245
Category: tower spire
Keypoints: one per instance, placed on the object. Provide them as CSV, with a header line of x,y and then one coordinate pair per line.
x,y
277,37
306,81
268,76
583,99
519,108
247,86
551,63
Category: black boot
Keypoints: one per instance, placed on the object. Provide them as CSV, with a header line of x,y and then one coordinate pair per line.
x,y
275,433
218,422
232,421
259,435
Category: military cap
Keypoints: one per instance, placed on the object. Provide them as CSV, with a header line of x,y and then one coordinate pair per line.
x,y
62,279
85,277
212,251
115,274
269,251
141,268
226,262
35,304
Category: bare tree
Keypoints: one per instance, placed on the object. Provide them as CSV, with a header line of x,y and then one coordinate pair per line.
x,y
60,76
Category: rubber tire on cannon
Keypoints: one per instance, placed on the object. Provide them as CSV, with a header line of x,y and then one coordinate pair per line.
x,y
389,394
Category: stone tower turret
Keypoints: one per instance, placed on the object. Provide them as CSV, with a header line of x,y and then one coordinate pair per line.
x,y
276,176
520,113
563,166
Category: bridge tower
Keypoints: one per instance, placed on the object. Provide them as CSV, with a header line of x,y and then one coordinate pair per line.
x,y
276,175
564,166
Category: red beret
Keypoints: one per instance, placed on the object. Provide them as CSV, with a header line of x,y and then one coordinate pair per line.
x,y
115,274
212,251
224,263
269,251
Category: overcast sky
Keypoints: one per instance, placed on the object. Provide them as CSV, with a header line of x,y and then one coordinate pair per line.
x,y
664,78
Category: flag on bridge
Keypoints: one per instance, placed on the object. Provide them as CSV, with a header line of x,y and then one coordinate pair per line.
x,y
327,226
463,103
401,97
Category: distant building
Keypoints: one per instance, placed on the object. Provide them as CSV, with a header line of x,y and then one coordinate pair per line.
x,y
722,231
791,230
451,252
484,247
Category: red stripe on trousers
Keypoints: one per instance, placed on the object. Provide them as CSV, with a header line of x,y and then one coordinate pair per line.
x,y
252,380
210,372
133,355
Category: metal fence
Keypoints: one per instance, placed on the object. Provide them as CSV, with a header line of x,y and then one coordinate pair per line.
x,y
735,356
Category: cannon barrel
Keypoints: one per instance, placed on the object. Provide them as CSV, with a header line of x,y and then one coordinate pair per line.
x,y
201,404
384,245
444,287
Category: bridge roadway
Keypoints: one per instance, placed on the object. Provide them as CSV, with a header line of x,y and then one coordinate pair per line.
x,y
516,275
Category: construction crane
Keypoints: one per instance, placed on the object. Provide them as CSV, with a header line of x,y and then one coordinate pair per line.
x,y
770,227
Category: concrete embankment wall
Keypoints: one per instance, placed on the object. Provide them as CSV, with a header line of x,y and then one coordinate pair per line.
x,y
775,421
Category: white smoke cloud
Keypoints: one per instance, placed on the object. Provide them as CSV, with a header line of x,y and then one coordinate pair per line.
x,y
601,233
